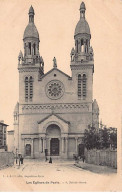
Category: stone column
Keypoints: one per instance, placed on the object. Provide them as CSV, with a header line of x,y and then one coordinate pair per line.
x,y
43,144
40,145
79,45
76,146
31,148
84,46
66,145
32,49
76,45
62,143
45,141
23,147
49,147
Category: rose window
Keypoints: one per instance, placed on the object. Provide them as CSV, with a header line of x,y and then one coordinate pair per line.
x,y
55,89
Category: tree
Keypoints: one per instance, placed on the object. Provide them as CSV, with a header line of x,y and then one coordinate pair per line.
x,y
100,139
113,137
91,138
104,135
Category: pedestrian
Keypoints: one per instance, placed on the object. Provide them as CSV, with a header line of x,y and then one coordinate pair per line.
x,y
21,159
83,158
50,161
46,159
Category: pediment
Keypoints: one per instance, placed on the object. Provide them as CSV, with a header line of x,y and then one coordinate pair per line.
x,y
55,70
53,116
53,119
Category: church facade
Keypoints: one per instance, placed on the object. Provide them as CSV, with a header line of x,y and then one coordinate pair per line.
x,y
54,109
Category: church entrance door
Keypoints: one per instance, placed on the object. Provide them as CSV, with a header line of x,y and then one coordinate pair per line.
x,y
28,150
54,147
81,150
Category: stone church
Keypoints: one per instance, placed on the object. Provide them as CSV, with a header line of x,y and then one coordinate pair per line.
x,y
54,108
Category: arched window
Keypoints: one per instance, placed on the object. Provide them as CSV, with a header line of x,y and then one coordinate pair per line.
x,y
77,46
29,48
79,86
31,88
82,45
26,88
84,86
34,49
25,48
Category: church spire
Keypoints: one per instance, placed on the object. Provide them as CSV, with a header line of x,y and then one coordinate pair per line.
x,y
82,10
31,14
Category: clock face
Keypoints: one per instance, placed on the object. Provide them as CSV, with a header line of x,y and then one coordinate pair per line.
x,y
55,89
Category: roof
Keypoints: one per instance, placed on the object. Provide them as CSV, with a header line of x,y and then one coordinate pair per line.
x,y
31,31
3,124
31,10
82,27
95,105
82,6
56,70
16,109
53,115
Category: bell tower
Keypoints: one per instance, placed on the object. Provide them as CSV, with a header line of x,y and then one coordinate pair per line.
x,y
31,64
31,40
82,62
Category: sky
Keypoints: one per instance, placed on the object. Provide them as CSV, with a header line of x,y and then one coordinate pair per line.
x,y
56,21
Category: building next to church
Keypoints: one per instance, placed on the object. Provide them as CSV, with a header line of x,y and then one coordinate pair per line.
x,y
10,140
3,137
54,108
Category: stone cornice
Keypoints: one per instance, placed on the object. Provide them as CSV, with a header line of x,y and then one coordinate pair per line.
x,y
30,137
52,104
82,67
28,68
47,108
84,63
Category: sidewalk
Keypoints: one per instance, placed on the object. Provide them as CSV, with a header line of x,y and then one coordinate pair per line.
x,y
95,168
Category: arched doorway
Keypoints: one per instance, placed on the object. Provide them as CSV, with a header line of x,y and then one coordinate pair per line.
x,y
53,134
54,147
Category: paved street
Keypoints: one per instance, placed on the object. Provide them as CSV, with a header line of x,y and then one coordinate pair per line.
x,y
36,175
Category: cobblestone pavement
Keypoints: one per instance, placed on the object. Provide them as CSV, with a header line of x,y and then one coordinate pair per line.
x,y
36,175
